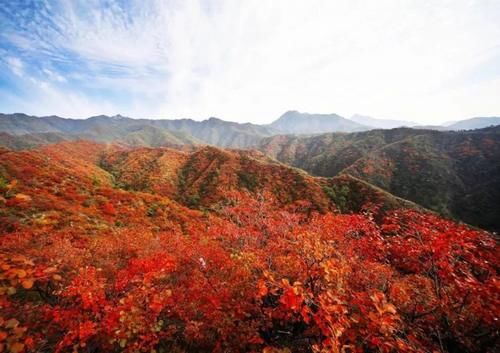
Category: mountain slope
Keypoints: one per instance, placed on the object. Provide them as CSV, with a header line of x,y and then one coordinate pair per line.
x,y
217,132
328,154
138,131
98,253
454,173
294,122
474,123
27,141
154,137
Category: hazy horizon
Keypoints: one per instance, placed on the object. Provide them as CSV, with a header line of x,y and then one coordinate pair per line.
x,y
423,61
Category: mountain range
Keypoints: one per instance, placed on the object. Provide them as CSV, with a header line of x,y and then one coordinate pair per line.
x,y
24,131
454,173
133,131
381,123
118,246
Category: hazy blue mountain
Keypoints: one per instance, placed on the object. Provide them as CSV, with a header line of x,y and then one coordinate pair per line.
x,y
381,123
26,131
218,132
431,127
147,132
474,123
294,122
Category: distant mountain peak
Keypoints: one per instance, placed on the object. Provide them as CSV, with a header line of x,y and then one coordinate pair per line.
x,y
295,122
475,123
381,123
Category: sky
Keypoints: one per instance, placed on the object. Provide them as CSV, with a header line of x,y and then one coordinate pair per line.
x,y
428,61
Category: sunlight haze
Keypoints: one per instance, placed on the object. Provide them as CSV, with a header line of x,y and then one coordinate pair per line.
x,y
250,61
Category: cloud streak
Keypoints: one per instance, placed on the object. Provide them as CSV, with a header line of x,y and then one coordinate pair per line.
x,y
427,61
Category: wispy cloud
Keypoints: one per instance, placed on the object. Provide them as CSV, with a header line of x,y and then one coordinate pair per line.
x,y
251,60
15,65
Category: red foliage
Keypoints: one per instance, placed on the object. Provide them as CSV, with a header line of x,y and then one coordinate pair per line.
x,y
93,268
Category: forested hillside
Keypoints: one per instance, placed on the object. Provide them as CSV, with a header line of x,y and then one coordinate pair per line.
x,y
117,249
28,130
454,173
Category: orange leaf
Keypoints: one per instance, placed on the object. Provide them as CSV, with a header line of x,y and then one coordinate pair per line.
x,y
261,288
27,283
16,347
50,269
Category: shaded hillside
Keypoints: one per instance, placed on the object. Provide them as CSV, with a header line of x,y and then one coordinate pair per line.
x,y
155,137
351,194
99,254
454,173
27,141
328,154
294,122
141,132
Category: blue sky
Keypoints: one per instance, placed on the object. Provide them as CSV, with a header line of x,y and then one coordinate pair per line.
x,y
251,60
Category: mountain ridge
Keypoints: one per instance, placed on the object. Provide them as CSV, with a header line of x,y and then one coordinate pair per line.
x,y
103,128
25,131
378,123
294,122
456,173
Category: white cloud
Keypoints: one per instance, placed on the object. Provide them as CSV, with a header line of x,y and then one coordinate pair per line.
x,y
54,76
51,100
252,60
15,65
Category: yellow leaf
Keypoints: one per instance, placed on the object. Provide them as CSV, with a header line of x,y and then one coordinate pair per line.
x,y
21,273
57,277
12,323
390,308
